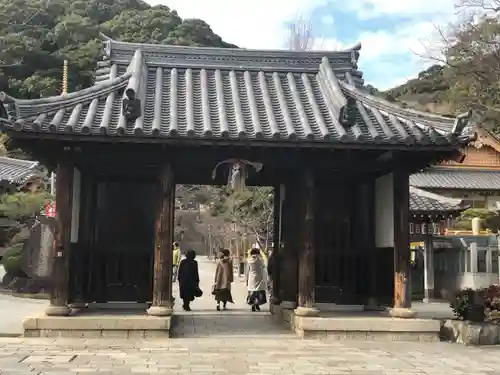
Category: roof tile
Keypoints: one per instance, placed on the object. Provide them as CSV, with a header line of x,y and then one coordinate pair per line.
x,y
215,93
422,201
447,178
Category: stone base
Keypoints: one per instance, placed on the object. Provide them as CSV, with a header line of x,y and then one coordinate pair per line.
x,y
91,326
358,326
306,311
403,313
52,310
160,311
339,308
468,333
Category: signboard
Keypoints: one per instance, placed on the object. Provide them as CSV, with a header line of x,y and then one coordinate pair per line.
x,y
50,209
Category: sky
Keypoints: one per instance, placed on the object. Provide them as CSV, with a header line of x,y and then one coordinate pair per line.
x,y
394,34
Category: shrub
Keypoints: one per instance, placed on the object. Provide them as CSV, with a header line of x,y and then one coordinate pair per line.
x,y
469,304
12,259
492,297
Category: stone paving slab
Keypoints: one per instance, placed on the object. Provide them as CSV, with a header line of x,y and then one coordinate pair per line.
x,y
241,356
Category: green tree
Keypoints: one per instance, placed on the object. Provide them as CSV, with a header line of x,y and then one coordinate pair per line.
x,y
38,35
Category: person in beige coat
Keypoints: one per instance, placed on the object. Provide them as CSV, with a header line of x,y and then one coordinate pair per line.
x,y
223,279
256,280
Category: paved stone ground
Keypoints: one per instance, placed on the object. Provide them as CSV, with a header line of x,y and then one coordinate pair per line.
x,y
206,321
238,342
13,310
266,355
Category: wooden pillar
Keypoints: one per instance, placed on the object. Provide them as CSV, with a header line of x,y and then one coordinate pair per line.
x,y
275,268
306,256
59,280
164,235
288,252
402,286
428,268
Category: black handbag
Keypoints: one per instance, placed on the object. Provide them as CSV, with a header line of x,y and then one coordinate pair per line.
x,y
198,292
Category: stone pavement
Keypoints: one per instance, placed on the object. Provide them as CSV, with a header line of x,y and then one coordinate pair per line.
x,y
206,321
13,310
266,355
238,342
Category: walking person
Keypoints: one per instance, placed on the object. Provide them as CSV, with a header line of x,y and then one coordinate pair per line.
x,y
256,280
176,260
223,279
189,280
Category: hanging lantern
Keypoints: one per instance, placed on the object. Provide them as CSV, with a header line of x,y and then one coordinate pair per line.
x,y
238,172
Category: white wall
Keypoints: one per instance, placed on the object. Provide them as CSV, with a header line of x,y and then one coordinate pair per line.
x,y
476,280
75,211
491,203
384,211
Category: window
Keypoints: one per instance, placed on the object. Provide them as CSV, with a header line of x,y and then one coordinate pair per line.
x,y
494,261
481,260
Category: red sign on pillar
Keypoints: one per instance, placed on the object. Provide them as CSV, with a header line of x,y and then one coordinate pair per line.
x,y
50,209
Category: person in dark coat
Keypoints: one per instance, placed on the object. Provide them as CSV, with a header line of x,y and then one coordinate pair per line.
x,y
189,279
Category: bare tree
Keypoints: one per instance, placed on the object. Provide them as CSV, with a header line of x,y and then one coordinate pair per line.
x,y
480,5
300,34
469,49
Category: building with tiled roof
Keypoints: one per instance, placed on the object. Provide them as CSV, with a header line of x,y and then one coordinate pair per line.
x,y
475,179
423,202
18,174
301,122
230,94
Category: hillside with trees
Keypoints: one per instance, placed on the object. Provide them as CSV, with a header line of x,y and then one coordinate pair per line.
x,y
38,35
466,73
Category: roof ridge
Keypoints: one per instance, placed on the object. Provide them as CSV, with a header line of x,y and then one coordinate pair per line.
x,y
110,42
164,55
434,196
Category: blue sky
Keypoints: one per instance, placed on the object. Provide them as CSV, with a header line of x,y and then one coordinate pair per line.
x,y
394,34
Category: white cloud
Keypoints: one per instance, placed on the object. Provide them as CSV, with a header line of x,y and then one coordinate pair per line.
x,y
376,8
261,24
255,24
327,20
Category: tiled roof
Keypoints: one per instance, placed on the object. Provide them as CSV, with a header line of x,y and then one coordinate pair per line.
x,y
16,170
448,178
211,93
425,202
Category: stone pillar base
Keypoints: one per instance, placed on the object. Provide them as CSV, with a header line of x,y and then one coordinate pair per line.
x,y
288,305
52,310
306,311
160,311
402,312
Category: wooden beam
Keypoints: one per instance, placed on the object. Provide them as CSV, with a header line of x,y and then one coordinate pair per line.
x,y
307,255
59,291
164,234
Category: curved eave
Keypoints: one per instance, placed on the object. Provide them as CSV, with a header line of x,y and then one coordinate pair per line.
x,y
32,108
408,113
448,213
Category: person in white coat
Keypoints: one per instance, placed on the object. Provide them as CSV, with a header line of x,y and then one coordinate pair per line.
x,y
256,280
